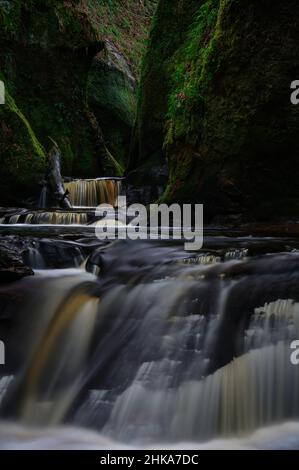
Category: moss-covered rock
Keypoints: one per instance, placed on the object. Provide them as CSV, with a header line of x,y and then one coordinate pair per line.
x,y
222,113
112,97
124,23
114,75
169,29
47,49
22,158
44,62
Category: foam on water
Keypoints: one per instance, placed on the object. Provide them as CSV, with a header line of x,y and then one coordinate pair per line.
x,y
13,436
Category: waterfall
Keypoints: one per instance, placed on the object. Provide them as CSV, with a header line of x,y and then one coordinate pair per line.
x,y
76,319
43,199
259,388
14,219
203,341
34,258
55,218
62,335
59,218
255,390
91,193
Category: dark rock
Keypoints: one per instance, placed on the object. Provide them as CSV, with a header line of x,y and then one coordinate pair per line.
x,y
47,49
112,97
147,183
12,266
215,102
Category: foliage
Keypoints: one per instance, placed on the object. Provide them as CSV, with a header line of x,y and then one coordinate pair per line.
x,y
44,56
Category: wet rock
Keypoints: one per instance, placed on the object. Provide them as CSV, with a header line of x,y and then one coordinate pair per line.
x,y
42,253
12,266
147,183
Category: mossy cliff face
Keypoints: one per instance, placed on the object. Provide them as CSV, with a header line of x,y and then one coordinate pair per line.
x,y
169,29
222,113
112,97
47,49
115,72
22,158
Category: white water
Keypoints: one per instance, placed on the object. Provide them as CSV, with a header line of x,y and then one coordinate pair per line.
x,y
158,328
16,437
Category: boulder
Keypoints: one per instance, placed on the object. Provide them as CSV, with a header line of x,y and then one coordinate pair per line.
x,y
12,267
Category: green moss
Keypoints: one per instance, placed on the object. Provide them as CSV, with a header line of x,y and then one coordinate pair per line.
x,y
37,147
125,23
118,167
222,113
22,157
46,54
187,81
169,30
112,97
46,65
113,92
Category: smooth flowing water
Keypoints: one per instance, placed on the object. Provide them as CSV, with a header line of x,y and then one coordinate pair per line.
x,y
141,344
93,192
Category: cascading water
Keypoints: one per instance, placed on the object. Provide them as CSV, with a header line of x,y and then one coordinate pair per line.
x,y
43,199
91,193
161,347
56,218
84,195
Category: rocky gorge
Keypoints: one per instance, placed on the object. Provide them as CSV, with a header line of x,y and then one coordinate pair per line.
x,y
129,343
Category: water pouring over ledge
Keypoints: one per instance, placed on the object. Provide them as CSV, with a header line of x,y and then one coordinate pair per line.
x,y
84,196
67,193
169,347
143,342
87,193
91,193
48,218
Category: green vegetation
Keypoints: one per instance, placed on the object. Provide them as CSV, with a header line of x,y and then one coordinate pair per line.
x,y
38,150
187,86
214,101
126,23
22,161
47,49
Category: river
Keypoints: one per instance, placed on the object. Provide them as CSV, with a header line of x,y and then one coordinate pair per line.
x,y
140,344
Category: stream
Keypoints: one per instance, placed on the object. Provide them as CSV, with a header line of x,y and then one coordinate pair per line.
x,y
140,344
